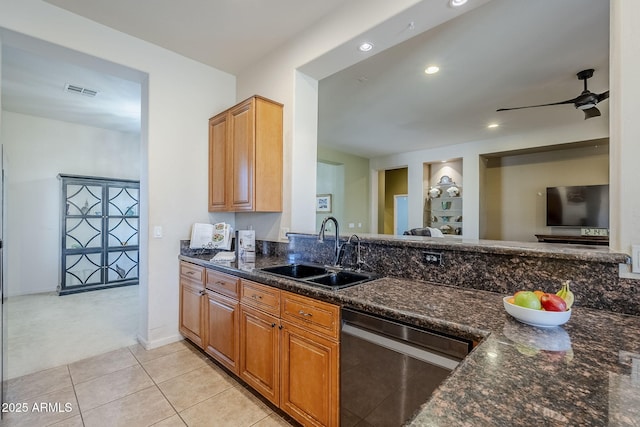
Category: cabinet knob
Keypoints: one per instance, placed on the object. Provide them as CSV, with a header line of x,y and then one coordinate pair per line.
x,y
202,292
273,325
280,327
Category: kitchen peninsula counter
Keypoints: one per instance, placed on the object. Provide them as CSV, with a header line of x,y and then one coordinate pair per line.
x,y
579,374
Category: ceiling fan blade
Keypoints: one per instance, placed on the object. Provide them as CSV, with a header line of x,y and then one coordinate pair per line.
x,y
603,96
591,112
568,101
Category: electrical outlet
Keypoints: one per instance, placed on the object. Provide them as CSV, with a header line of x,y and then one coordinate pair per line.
x,y
432,257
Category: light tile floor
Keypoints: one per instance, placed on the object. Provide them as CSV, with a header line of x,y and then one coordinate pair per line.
x,y
174,385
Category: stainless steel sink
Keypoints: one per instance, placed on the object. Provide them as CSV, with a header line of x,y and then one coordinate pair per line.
x,y
340,279
296,271
318,275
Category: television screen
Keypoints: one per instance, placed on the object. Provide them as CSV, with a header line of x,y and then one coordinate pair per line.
x,y
578,206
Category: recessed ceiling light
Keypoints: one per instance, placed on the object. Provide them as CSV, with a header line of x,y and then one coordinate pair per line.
x,y
493,125
432,69
456,3
365,47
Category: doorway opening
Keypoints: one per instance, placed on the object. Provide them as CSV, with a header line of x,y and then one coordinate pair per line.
x,y
41,140
391,183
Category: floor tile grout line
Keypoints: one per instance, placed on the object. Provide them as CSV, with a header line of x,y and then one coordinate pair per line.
x,y
76,395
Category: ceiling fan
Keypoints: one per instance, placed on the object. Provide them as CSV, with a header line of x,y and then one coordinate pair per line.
x,y
586,101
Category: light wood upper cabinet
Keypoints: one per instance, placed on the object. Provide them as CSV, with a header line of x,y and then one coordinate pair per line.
x,y
245,157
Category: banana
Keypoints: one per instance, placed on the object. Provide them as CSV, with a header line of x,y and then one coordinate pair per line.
x,y
566,294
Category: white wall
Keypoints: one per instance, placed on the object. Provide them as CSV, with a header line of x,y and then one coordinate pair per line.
x,y
41,149
182,95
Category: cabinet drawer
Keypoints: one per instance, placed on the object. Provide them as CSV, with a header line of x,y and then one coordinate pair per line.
x,y
311,314
192,272
223,283
261,297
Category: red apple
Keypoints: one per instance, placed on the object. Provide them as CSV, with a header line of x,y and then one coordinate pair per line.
x,y
552,302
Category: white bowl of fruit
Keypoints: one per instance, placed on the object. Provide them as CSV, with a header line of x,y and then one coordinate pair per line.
x,y
539,308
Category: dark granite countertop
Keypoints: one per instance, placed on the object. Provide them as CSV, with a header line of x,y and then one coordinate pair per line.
x,y
585,373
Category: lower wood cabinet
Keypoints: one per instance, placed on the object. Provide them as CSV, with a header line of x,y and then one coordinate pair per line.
x,y
222,338
310,377
284,345
260,352
192,302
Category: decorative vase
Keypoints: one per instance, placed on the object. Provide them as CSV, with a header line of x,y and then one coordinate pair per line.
x,y
453,191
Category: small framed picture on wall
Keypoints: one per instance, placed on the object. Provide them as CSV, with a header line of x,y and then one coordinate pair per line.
x,y
323,203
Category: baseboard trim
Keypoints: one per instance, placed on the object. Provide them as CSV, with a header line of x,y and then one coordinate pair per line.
x,y
150,345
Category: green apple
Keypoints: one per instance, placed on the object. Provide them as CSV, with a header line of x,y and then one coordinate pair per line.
x,y
527,299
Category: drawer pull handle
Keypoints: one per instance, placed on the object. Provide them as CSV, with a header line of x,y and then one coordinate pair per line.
x,y
254,296
305,314
191,273
221,284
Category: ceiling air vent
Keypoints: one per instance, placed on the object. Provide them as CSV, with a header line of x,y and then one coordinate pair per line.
x,y
79,89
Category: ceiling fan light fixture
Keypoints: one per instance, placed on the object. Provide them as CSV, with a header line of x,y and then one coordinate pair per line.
x,y
365,47
586,106
457,3
432,69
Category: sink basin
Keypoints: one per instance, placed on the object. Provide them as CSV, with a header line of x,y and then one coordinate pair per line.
x,y
341,279
296,271
319,276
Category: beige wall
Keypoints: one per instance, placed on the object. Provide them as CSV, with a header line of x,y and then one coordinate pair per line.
x,y
354,196
514,189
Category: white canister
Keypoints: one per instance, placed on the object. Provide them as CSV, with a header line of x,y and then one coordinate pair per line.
x,y
434,192
453,191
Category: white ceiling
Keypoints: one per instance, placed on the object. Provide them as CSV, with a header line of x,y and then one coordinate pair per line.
x,y
506,53
502,54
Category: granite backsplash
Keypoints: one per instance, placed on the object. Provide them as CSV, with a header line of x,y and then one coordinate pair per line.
x,y
501,267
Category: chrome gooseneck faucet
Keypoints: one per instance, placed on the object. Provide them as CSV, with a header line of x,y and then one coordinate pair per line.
x,y
337,230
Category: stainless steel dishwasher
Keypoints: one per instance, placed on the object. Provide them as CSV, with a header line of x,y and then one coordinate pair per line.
x,y
388,369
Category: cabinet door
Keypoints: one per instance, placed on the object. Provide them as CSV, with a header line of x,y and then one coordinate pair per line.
x,y
310,378
221,340
259,352
191,311
242,147
218,161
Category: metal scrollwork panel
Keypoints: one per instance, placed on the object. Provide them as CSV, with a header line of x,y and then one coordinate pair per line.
x,y
84,199
83,232
124,201
122,265
123,231
83,269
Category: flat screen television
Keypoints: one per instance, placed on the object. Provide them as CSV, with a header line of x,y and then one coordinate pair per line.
x,y
578,206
